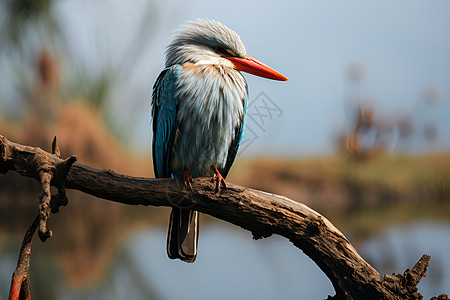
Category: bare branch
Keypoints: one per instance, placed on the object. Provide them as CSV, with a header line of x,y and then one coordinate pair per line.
x,y
55,148
20,282
261,213
44,205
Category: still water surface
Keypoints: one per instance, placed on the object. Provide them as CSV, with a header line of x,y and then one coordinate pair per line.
x,y
231,265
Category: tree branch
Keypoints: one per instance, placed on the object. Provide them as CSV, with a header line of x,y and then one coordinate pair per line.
x,y
261,213
20,282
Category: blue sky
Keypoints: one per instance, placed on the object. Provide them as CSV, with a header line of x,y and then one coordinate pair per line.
x,y
404,46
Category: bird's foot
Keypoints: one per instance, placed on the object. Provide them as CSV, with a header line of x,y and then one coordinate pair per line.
x,y
219,180
187,179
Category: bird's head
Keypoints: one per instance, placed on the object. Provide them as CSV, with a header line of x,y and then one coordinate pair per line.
x,y
211,42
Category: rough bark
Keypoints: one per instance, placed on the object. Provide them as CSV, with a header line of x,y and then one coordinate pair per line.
x,y
20,281
261,213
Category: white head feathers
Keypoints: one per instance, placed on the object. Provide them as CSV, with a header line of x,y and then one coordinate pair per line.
x,y
197,42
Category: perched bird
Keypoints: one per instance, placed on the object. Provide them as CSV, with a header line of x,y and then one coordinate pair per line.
x,y
199,104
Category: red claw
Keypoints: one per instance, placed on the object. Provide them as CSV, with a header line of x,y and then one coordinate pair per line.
x,y
218,178
187,178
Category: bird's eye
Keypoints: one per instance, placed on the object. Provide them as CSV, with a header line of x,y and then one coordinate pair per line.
x,y
219,49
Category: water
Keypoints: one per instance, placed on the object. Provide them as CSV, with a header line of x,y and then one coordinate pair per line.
x,y
400,247
230,265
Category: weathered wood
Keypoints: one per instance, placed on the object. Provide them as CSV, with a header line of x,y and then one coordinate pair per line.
x,y
261,213
20,281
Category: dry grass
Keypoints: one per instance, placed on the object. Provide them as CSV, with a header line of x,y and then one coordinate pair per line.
x,y
335,184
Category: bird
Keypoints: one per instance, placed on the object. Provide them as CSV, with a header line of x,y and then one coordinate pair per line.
x,y
199,104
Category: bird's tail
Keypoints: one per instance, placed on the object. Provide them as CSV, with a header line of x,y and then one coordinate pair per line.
x,y
183,234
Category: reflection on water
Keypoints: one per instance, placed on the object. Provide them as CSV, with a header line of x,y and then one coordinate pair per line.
x,y
400,247
231,265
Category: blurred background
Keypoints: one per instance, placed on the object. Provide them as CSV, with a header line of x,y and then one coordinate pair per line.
x,y
360,133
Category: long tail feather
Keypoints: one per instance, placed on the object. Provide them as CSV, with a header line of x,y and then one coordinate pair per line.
x,y
183,234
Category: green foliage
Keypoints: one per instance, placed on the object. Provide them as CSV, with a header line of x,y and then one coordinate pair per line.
x,y
93,88
24,18
400,172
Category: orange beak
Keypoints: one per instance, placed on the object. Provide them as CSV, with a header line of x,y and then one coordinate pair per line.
x,y
252,66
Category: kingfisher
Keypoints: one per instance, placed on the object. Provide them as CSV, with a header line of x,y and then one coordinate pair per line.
x,y
199,104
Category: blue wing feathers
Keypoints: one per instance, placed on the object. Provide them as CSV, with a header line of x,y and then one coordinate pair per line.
x,y
164,111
